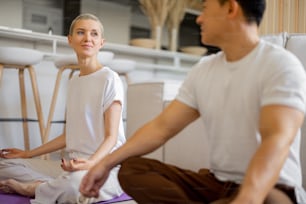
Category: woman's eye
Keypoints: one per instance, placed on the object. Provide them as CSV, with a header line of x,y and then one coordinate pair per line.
x,y
94,34
80,32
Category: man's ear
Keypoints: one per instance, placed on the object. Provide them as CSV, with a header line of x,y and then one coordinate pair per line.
x,y
233,8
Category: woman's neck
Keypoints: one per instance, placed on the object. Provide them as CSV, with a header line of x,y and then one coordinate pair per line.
x,y
88,66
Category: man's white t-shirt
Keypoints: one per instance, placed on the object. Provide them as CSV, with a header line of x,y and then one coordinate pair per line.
x,y
88,98
229,96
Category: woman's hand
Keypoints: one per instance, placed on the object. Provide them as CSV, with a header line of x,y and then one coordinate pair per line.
x,y
76,164
12,153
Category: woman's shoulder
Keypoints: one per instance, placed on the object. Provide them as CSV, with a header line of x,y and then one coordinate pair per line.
x,y
108,71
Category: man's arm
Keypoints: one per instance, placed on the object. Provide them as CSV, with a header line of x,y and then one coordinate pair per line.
x,y
278,126
148,138
156,132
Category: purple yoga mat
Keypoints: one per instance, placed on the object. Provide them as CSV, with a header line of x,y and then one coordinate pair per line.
x,y
13,199
123,197
17,199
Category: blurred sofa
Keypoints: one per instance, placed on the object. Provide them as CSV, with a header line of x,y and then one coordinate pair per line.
x,y
188,149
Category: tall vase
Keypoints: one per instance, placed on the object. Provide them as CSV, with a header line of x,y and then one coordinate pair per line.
x,y
158,37
173,39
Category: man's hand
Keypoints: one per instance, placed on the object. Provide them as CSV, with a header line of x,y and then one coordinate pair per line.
x,y
93,180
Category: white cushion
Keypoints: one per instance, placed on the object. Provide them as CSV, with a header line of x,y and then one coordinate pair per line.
x,y
104,57
20,56
296,44
145,100
122,65
278,39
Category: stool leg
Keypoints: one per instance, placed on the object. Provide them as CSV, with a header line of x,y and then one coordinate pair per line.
x,y
39,112
126,77
53,103
71,73
1,71
24,109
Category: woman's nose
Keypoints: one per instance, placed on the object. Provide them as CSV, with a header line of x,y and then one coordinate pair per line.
x,y
87,36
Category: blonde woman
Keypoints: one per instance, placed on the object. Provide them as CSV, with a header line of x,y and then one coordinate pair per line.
x,y
94,128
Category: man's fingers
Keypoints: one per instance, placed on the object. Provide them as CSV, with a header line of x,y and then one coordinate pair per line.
x,y
85,185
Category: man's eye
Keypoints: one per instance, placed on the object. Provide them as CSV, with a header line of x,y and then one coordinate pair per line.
x,y
80,32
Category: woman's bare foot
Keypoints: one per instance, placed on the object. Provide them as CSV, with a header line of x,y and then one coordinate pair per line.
x,y
13,186
4,188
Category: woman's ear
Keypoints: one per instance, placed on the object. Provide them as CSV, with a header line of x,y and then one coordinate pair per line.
x,y
69,39
102,43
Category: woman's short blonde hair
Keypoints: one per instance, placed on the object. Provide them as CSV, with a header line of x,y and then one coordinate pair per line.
x,y
86,16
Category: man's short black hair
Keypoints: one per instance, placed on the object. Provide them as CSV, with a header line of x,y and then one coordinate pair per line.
x,y
253,10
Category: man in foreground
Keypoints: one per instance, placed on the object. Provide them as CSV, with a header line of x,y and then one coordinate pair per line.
x,y
251,97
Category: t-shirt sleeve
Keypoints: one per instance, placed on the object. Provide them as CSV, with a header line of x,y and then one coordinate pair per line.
x,y
187,93
113,90
286,86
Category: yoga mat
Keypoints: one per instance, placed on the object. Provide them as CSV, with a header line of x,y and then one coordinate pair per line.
x,y
18,199
123,197
13,199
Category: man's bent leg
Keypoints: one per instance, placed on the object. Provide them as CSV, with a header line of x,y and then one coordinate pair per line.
x,y
150,181
281,195
275,196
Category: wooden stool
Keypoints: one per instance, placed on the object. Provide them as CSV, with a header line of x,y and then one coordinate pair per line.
x,y
68,62
123,67
21,59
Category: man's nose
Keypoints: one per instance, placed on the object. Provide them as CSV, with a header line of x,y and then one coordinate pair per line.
x,y
199,19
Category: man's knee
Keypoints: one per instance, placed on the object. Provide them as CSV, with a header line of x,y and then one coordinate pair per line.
x,y
277,196
134,168
126,170
136,165
130,162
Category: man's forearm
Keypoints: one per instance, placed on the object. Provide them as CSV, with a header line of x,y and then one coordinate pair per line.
x,y
263,171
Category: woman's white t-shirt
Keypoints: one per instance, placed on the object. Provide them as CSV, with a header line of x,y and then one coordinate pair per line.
x,y
88,98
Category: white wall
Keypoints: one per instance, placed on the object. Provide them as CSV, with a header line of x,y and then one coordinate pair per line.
x,y
11,13
115,18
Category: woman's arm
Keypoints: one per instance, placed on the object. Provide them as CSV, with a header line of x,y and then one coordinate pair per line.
x,y
112,117
54,145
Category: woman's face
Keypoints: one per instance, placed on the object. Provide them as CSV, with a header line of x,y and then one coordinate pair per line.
x,y
86,38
